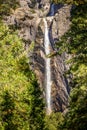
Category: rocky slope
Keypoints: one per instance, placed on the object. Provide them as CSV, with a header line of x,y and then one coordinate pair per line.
x,y
28,19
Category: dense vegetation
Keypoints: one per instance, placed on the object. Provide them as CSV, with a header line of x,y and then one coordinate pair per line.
x,y
74,42
21,104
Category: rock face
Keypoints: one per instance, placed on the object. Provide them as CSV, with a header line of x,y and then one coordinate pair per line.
x,y
29,21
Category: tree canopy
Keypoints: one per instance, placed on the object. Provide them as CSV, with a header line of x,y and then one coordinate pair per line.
x,y
21,104
74,42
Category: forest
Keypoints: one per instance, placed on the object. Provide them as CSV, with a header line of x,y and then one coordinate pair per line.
x,y
22,106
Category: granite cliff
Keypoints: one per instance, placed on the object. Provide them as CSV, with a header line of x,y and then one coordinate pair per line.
x,y
28,19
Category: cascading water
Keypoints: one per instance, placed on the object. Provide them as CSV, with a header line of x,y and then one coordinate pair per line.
x,y
48,68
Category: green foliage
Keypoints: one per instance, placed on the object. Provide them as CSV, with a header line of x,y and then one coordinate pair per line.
x,y
53,121
7,114
77,116
57,1
76,2
75,43
21,105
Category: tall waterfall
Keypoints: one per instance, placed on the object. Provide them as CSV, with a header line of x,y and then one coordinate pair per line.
x,y
48,68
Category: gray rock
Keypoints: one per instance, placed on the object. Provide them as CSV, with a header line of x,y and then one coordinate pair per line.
x,y
29,21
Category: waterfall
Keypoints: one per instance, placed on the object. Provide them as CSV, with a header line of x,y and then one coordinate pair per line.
x,y
52,10
47,68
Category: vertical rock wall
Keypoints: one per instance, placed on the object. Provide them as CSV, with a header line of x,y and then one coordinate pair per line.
x,y
58,25
29,21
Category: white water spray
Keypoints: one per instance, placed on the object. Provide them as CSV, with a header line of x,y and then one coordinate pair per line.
x,y
48,68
